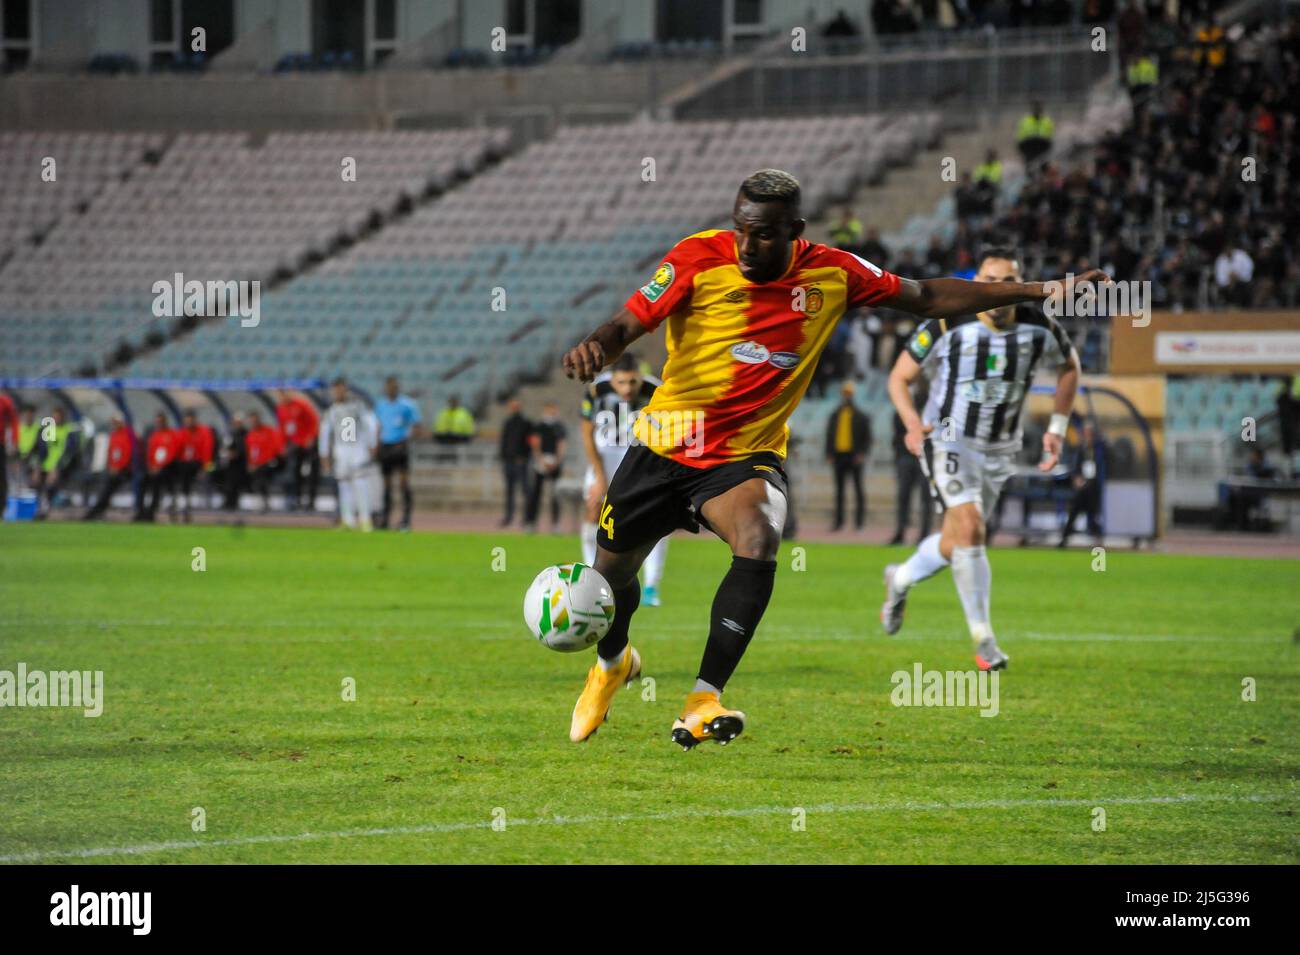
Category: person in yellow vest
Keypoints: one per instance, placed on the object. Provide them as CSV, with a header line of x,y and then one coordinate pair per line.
x,y
1034,134
990,170
454,424
848,442
1142,76
847,233
31,448
62,454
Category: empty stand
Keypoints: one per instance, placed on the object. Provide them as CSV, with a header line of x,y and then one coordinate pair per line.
x,y
214,207
555,238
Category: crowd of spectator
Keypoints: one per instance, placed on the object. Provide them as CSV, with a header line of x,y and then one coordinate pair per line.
x,y
892,17
1199,195
532,463
46,451
52,455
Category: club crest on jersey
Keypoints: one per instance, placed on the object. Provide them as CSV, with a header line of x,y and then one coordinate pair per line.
x,y
751,353
813,301
657,285
995,362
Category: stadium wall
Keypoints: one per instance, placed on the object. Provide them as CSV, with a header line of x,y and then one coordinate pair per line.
x,y
331,101
1210,343
69,32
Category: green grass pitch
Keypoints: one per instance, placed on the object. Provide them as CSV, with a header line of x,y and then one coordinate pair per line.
x,y
224,692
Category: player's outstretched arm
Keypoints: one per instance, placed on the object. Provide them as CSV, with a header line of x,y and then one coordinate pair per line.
x,y
943,298
905,371
585,360
1067,385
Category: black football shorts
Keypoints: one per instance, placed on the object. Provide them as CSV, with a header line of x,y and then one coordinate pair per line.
x,y
394,457
651,496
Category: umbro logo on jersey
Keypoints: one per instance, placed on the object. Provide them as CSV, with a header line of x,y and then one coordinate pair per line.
x,y
736,295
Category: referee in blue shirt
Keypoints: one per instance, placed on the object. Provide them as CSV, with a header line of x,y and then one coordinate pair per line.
x,y
399,420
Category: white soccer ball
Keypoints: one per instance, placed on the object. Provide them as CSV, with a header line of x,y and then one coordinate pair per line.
x,y
568,607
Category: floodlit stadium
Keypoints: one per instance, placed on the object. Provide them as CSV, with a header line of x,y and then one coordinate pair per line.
x,y
939,359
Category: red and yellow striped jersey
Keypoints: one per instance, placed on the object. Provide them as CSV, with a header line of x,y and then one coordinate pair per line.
x,y
740,354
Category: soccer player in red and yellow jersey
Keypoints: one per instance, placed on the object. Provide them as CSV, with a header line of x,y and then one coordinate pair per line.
x,y
748,312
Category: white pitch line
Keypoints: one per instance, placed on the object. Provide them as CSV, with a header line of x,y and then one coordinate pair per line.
x,y
495,629
439,828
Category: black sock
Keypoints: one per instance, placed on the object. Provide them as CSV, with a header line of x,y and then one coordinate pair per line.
x,y
406,504
626,600
738,607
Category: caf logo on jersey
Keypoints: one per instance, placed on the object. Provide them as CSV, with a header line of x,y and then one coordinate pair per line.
x,y
657,285
920,345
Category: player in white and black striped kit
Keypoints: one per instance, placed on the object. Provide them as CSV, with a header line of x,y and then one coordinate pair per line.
x,y
980,368
609,406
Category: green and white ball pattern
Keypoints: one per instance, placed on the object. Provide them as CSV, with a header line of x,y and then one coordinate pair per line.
x,y
568,607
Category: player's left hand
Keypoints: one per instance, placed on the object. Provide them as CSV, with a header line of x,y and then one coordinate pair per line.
x,y
1051,451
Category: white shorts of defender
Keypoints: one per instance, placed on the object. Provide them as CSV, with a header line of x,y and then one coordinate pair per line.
x,y
609,461
962,474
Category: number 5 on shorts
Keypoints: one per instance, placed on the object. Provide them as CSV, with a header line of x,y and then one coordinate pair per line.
x,y
950,463
607,519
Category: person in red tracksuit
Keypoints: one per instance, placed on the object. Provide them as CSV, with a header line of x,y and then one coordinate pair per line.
x,y
8,436
265,449
198,447
162,448
300,425
122,445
